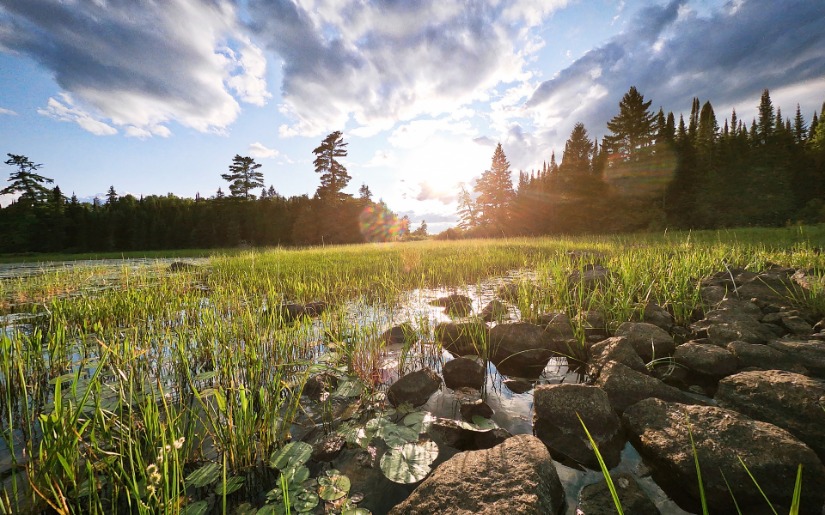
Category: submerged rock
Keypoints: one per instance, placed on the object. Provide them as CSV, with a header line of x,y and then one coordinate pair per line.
x,y
494,311
556,422
465,339
460,372
516,476
791,401
455,304
596,499
659,431
414,388
403,333
523,350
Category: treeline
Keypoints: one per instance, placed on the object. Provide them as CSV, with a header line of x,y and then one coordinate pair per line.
x,y
42,219
652,172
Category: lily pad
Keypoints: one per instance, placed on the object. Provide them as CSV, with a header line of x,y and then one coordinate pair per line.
x,y
296,475
393,434
356,511
304,500
291,455
410,463
195,508
418,420
333,485
204,476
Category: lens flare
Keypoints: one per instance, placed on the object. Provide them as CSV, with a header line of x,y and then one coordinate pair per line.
x,y
377,223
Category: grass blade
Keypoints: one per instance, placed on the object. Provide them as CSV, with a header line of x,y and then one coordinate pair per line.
x,y
605,472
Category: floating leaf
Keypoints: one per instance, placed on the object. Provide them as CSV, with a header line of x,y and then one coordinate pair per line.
x,y
291,455
356,511
410,463
349,388
196,508
333,485
245,509
474,427
233,484
304,500
204,476
418,421
296,475
483,424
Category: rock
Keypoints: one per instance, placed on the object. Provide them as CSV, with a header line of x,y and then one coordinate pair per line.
x,y
327,447
659,431
403,333
314,309
465,339
516,476
518,385
522,350
508,291
556,423
616,349
455,304
750,355
182,266
447,432
724,326
463,372
654,314
809,354
590,278
494,311
557,325
706,359
594,325
744,307
770,287
319,384
595,499
650,341
791,401
625,387
713,295
414,388
489,439
478,408
797,325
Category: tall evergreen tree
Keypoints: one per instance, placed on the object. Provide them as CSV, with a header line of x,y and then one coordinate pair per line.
x,y
578,151
767,119
632,129
334,176
243,177
799,129
495,193
26,181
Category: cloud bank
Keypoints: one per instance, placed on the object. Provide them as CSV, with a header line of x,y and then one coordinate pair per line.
x,y
138,65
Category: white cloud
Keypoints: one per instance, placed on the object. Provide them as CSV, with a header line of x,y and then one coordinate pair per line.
x,y
66,111
141,65
8,112
260,151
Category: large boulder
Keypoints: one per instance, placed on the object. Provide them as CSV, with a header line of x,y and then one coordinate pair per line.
x,y
596,499
516,476
625,387
414,388
464,339
725,326
705,359
661,431
650,341
616,349
463,372
557,325
522,349
806,353
791,401
556,422
755,355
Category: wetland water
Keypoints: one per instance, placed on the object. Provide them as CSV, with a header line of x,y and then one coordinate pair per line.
x,y
513,410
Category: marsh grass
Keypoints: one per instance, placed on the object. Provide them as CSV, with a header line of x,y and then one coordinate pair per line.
x,y
125,381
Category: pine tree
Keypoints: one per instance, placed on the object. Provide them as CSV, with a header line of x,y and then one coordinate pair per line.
x,y
334,176
364,193
26,181
632,128
578,151
467,211
111,196
767,119
243,176
495,193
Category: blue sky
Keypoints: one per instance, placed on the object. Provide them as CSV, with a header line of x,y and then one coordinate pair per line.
x,y
156,97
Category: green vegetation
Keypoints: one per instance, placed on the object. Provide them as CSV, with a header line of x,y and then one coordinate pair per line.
x,y
147,390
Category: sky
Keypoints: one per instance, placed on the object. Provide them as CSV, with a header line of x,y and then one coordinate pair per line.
x,y
158,96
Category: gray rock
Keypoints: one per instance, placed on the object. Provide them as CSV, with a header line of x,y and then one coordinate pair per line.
x,y
522,350
461,372
455,304
754,355
724,326
654,314
706,359
556,422
414,388
403,333
494,311
596,499
557,325
659,431
770,287
797,325
809,354
477,408
625,387
713,295
516,476
594,325
616,349
465,339
650,341
791,401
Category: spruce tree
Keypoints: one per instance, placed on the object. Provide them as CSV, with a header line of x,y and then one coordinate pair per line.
x,y
495,193
632,128
767,119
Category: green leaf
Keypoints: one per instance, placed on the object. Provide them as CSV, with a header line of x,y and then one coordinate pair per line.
x,y
305,500
349,388
487,425
410,463
418,420
291,455
356,511
196,508
484,424
204,476
296,475
333,485
203,376
233,484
